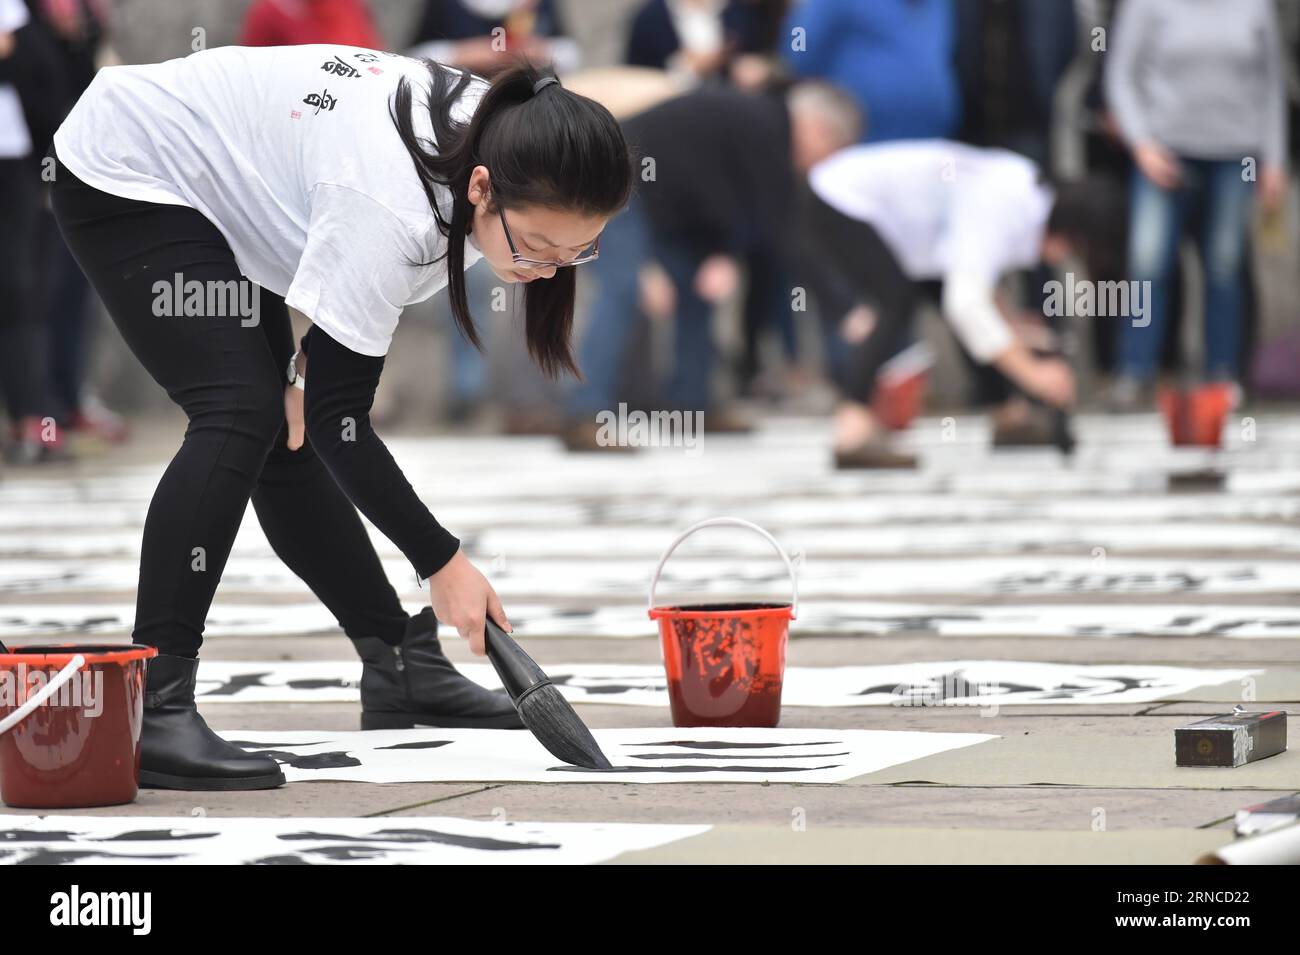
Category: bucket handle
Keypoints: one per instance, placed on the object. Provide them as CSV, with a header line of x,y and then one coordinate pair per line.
x,y
732,522
47,691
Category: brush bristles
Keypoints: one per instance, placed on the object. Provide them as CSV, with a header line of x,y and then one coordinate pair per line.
x,y
553,721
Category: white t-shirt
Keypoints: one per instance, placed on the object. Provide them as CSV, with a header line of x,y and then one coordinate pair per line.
x,y
948,211
15,139
291,152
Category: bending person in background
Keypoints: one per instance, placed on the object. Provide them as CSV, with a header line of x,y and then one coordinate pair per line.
x,y
888,217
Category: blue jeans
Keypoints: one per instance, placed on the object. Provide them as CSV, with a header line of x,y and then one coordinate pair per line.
x,y
1155,228
693,352
469,372
624,246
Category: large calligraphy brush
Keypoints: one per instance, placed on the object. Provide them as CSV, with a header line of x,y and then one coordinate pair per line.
x,y
540,704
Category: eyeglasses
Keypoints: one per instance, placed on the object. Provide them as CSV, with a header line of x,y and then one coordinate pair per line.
x,y
591,252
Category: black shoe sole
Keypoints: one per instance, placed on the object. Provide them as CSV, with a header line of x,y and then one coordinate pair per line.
x,y
152,780
371,720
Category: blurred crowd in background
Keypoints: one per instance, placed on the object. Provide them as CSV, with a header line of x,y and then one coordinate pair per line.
x,y
1178,115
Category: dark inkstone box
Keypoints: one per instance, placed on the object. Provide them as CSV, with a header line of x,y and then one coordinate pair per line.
x,y
1231,740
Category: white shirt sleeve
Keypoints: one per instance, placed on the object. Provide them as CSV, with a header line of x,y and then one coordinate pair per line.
x,y
970,307
13,15
358,271
978,253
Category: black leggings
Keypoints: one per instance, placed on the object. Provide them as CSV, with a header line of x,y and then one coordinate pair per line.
x,y
227,374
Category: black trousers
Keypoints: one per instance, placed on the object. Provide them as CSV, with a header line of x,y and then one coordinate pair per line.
x,y
22,345
854,251
227,373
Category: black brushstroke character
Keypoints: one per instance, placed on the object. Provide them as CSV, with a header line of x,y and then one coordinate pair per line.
x,y
415,836
339,68
68,856
322,101
734,755
692,769
336,760
727,744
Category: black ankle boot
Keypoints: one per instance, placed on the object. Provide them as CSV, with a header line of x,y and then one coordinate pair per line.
x,y
415,684
179,750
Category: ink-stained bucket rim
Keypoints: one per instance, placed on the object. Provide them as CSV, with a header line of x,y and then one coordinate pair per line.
x,y
61,654
739,609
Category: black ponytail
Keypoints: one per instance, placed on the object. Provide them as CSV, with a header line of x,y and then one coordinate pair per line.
x,y
549,148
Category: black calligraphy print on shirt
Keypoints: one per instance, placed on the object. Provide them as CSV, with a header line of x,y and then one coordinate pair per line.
x,y
339,68
322,101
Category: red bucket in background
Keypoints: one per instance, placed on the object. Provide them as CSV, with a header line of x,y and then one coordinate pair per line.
x,y
80,746
1196,416
899,395
725,662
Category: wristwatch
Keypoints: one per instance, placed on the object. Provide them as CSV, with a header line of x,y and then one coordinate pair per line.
x,y
296,378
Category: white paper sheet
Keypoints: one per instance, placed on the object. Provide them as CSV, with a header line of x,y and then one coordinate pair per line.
x,y
654,755
399,840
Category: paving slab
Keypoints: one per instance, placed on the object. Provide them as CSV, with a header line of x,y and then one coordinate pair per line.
x,y
933,807
1112,760
304,799
750,845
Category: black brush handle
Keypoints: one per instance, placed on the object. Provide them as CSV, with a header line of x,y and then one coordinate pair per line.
x,y
518,673
1062,434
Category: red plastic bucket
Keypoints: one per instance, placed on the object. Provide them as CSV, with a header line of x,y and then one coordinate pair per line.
x,y
1196,417
899,395
725,662
70,721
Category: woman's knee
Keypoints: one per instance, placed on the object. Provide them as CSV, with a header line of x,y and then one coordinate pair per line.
x,y
250,410
1152,236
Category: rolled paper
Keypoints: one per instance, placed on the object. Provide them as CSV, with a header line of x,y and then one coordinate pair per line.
x,y
1279,847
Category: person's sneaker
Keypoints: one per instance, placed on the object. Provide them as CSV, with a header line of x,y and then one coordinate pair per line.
x,y
96,421
1128,395
34,441
414,684
727,421
521,421
584,436
872,454
1033,431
